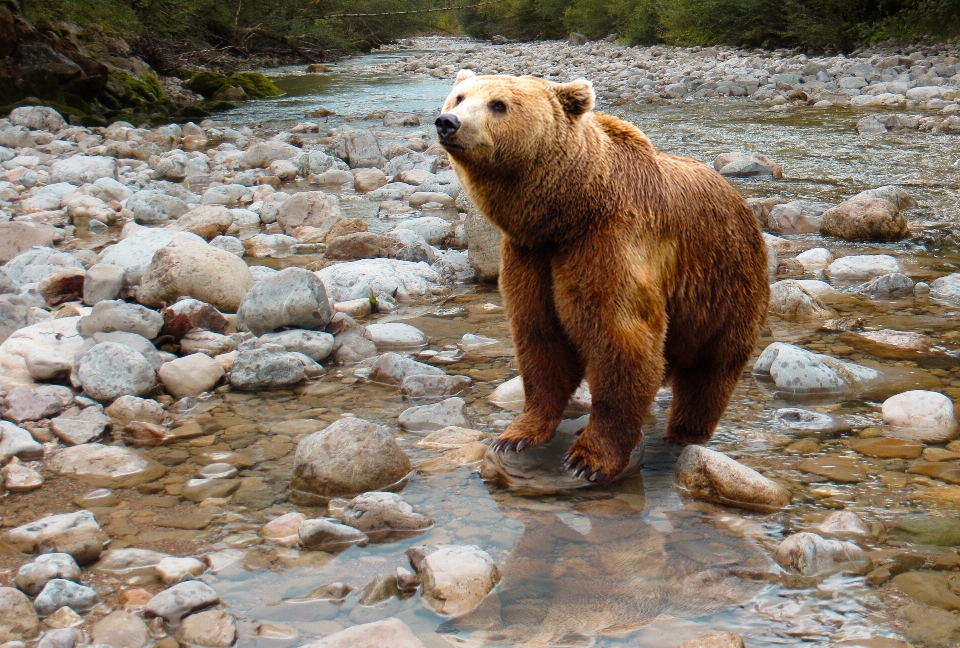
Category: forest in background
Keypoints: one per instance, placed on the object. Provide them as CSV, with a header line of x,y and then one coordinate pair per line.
x,y
342,26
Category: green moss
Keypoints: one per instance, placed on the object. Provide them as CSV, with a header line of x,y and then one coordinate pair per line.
x,y
189,113
256,85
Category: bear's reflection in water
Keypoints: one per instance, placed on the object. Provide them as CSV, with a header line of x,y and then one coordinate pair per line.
x,y
597,566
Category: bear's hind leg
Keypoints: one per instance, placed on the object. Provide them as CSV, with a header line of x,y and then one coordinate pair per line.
x,y
700,395
549,364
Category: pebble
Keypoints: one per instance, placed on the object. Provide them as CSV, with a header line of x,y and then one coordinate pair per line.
x,y
349,457
712,476
180,600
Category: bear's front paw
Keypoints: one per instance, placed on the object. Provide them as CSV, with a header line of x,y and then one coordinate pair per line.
x,y
593,464
521,434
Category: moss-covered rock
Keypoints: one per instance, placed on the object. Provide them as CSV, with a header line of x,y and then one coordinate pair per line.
x,y
254,84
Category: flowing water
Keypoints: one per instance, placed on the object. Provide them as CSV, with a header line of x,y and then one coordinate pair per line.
x,y
636,564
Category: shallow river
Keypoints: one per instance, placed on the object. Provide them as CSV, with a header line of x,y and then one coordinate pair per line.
x,y
638,564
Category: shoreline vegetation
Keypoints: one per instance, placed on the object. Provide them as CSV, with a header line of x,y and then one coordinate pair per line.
x,y
158,61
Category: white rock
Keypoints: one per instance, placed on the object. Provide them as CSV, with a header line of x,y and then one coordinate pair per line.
x,y
135,252
53,344
190,375
798,371
82,169
395,335
457,578
808,554
815,259
947,287
923,415
429,418
406,280
863,267
791,301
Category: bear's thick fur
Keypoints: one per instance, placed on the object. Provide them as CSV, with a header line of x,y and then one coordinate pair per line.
x,y
621,264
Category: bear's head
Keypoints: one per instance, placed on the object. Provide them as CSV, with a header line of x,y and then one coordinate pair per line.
x,y
506,123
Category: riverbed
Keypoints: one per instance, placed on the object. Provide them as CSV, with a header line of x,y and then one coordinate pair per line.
x,y
635,564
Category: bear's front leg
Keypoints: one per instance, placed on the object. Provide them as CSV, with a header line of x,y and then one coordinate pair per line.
x,y
622,341
549,364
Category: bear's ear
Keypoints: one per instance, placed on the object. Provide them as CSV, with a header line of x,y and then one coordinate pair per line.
x,y
576,97
463,75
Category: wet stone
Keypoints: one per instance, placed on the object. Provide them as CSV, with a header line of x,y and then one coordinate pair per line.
x,y
283,530
887,448
383,517
451,412
456,578
33,576
706,474
714,640
843,525
197,490
293,298
393,368
266,368
350,456
173,570
327,535
808,554
105,466
129,562
59,593
929,530
121,630
836,468
182,599
948,472
77,534
389,632
211,629
63,618
131,408
539,470
803,423
395,335
929,588
922,416
59,638
98,498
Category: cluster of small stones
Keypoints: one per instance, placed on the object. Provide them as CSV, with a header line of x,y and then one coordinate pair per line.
x,y
921,78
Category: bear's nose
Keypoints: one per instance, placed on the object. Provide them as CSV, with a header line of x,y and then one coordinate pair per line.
x,y
447,124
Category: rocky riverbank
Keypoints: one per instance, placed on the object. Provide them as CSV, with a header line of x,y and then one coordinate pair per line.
x,y
249,376
925,78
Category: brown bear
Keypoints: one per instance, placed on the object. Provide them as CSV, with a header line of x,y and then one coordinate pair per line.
x,y
621,264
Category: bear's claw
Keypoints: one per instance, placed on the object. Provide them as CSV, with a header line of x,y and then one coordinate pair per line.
x,y
503,446
582,471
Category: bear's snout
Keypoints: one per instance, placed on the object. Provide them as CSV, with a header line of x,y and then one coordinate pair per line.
x,y
447,124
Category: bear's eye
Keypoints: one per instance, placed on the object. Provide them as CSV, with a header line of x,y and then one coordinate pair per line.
x,y
459,99
498,106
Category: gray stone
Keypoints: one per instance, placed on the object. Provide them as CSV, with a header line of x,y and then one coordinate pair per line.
x,y
383,517
180,600
395,335
412,162
116,315
947,287
293,298
39,262
393,368
155,207
797,217
351,456
327,535
38,118
131,408
266,368
310,208
808,554
403,280
17,442
889,285
83,169
110,370
88,426
59,638
15,314
102,282
34,575
77,534
429,418
59,593
798,371
316,345
263,153
231,244
433,386
862,267
210,629
362,149
135,252
129,563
